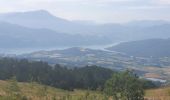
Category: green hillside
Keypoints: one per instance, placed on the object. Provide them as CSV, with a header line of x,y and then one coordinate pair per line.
x,y
144,48
12,90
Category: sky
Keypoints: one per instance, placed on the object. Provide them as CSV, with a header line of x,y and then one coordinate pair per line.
x,y
102,11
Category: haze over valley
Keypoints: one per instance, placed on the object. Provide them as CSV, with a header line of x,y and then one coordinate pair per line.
x,y
39,35
85,50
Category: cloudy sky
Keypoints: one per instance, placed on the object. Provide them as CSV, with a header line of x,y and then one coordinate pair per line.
x,y
96,10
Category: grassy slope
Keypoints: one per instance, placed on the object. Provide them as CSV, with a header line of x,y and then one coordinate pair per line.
x,y
158,94
35,91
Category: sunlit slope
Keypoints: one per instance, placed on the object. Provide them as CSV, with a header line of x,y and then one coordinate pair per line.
x,y
11,90
158,94
33,91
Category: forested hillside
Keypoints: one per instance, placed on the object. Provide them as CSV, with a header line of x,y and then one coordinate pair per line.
x,y
145,48
90,77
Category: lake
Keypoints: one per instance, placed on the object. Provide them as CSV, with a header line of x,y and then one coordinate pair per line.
x,y
29,50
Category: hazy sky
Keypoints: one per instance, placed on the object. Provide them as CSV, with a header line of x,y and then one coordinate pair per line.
x,y
97,10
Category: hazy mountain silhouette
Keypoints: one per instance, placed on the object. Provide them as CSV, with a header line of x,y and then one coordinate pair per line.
x,y
53,30
15,36
41,19
145,48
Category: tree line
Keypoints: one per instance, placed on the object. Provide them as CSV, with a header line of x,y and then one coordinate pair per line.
x,y
88,77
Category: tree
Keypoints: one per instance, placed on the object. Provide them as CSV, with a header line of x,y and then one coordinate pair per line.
x,y
124,86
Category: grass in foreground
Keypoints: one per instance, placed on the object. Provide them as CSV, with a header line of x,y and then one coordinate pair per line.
x,y
158,94
32,91
11,90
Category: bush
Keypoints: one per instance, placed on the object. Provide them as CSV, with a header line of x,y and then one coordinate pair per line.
x,y
124,86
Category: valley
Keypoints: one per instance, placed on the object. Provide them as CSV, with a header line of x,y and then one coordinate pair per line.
x,y
47,57
147,67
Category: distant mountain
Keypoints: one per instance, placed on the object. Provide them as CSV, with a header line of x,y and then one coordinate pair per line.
x,y
145,48
43,19
136,30
146,23
15,36
74,51
34,19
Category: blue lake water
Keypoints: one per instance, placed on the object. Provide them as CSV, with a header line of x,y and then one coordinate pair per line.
x,y
29,50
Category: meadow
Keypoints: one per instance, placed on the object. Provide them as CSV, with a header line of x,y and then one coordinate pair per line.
x,y
12,90
33,91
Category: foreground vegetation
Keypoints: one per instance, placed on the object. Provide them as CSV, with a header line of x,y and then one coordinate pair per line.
x,y
109,84
158,94
89,77
125,86
12,90
34,91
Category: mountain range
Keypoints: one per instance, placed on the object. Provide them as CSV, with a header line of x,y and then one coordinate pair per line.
x,y
42,29
16,36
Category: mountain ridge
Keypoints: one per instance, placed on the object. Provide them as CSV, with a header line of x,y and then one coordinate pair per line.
x,y
15,36
76,34
144,48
